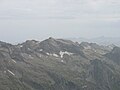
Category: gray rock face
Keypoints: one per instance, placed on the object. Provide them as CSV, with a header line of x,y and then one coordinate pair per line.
x,y
56,45
114,55
57,64
103,75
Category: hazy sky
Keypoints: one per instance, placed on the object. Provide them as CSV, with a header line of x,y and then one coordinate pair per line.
x,y
40,19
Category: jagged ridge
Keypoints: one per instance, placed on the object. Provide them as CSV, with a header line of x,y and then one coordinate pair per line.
x,y
57,64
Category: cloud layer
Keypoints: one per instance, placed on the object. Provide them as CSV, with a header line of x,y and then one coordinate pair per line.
x,y
39,19
59,8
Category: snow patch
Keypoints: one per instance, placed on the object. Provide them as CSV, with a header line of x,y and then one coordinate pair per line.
x,y
111,46
14,61
4,71
94,50
37,42
48,53
55,55
21,46
11,72
30,57
62,61
87,47
84,86
41,50
29,49
62,53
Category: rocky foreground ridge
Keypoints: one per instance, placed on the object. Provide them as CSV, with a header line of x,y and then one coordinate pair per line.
x,y
57,64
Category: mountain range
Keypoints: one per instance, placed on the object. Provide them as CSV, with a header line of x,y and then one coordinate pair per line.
x,y
59,64
99,40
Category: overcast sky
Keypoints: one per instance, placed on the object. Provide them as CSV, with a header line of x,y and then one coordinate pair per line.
x,y
40,19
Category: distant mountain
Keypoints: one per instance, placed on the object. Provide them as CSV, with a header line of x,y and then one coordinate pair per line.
x,y
100,40
58,64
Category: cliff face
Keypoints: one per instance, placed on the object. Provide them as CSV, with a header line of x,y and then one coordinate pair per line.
x,y
114,55
57,64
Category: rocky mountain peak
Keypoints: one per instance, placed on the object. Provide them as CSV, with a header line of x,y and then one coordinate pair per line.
x,y
52,45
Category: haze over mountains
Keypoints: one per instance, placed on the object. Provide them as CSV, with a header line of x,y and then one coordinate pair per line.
x,y
58,64
39,19
100,40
